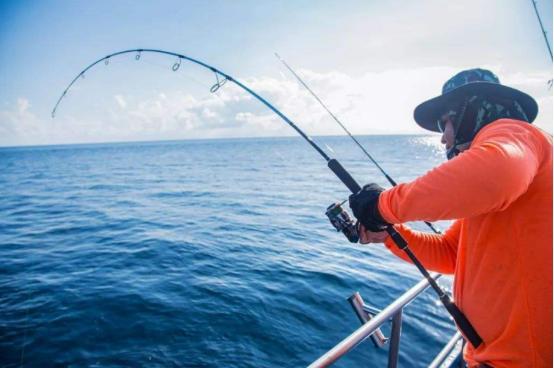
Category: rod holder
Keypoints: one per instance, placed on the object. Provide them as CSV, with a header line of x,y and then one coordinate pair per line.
x,y
357,303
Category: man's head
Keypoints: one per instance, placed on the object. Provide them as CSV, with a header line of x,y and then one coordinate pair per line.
x,y
469,101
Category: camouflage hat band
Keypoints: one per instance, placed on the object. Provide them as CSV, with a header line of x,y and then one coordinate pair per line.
x,y
469,76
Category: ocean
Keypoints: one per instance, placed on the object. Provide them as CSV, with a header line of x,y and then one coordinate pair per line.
x,y
199,253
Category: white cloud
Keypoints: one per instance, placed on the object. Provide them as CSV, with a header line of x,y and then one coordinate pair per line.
x,y
22,105
18,125
209,114
268,122
370,103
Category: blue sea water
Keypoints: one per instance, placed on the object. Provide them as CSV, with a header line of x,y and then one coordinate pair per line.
x,y
198,254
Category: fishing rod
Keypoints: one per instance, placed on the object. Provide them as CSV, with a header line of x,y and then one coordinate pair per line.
x,y
333,164
391,180
542,28
344,176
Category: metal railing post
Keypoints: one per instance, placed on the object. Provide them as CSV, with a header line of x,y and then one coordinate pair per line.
x,y
395,339
358,304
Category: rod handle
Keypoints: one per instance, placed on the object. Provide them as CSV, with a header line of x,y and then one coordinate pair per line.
x,y
462,322
343,175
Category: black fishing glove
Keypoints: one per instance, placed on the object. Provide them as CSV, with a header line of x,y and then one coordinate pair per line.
x,y
364,205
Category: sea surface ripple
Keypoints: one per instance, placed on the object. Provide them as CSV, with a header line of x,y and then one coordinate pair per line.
x,y
197,254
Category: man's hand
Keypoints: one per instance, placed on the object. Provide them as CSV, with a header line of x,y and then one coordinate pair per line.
x,y
364,205
367,237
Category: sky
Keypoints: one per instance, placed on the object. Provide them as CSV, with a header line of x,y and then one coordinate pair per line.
x,y
371,62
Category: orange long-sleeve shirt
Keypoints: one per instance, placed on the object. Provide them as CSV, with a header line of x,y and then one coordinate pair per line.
x,y
499,248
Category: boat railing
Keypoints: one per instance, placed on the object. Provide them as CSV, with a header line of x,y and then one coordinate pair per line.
x,y
372,320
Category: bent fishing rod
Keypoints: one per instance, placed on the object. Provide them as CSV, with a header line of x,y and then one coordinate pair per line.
x,y
344,176
390,180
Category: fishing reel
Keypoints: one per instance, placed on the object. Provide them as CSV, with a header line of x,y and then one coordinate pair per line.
x,y
341,220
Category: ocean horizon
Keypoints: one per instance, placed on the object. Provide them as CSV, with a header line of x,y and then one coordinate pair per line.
x,y
200,139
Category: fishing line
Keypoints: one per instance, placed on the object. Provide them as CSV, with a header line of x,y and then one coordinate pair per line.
x,y
543,31
390,180
178,72
185,75
220,79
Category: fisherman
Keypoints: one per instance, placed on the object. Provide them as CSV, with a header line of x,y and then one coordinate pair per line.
x,y
497,187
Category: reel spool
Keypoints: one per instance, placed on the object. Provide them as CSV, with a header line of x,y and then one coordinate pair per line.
x,y
341,221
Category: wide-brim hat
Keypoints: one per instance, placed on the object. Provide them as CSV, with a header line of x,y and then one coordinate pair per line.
x,y
468,83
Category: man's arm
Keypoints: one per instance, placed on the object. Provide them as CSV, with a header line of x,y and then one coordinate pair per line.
x,y
494,172
437,252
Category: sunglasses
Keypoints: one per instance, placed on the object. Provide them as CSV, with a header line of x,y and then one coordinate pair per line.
x,y
445,118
